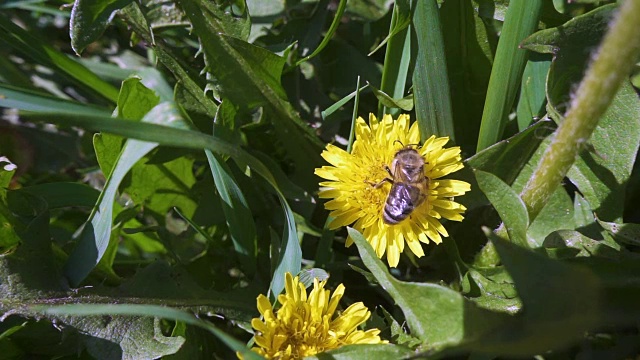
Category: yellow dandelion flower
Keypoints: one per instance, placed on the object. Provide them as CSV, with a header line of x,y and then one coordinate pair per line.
x,y
359,193
305,326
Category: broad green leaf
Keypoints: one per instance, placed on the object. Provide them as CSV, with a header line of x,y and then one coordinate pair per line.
x,y
602,174
95,236
190,83
237,213
288,259
157,286
159,186
603,169
369,10
89,19
532,91
250,77
31,46
20,278
558,212
504,159
520,21
508,204
583,214
366,351
570,243
135,99
262,13
492,289
437,315
624,233
149,311
560,301
430,82
163,14
227,56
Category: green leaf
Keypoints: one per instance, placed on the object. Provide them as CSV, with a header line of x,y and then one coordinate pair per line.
x,y
61,194
326,113
135,99
43,54
492,289
579,245
508,204
370,10
89,19
520,21
307,276
430,81
7,169
28,224
504,159
437,315
237,213
249,76
24,99
405,103
558,212
397,57
532,90
291,255
157,285
469,46
95,236
8,236
191,85
602,171
560,301
149,311
366,351
327,37
624,233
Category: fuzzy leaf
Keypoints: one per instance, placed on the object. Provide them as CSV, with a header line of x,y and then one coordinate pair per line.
x,y
603,169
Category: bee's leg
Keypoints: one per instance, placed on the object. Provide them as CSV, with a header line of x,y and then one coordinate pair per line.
x,y
386,167
390,181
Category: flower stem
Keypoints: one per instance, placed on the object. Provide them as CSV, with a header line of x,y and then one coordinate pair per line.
x,y
612,64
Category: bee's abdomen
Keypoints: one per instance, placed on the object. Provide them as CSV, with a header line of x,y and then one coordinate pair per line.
x,y
399,204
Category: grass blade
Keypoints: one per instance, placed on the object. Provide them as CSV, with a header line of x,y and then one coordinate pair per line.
x,y
430,81
31,46
397,57
236,212
520,21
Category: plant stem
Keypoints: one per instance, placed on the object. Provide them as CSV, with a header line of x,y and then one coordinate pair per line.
x,y
612,64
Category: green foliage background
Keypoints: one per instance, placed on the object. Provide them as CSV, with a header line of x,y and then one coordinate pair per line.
x,y
164,155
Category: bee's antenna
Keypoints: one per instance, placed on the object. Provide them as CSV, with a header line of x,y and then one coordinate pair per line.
x,y
403,145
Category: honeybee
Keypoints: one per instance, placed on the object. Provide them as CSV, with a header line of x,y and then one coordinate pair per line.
x,y
409,185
